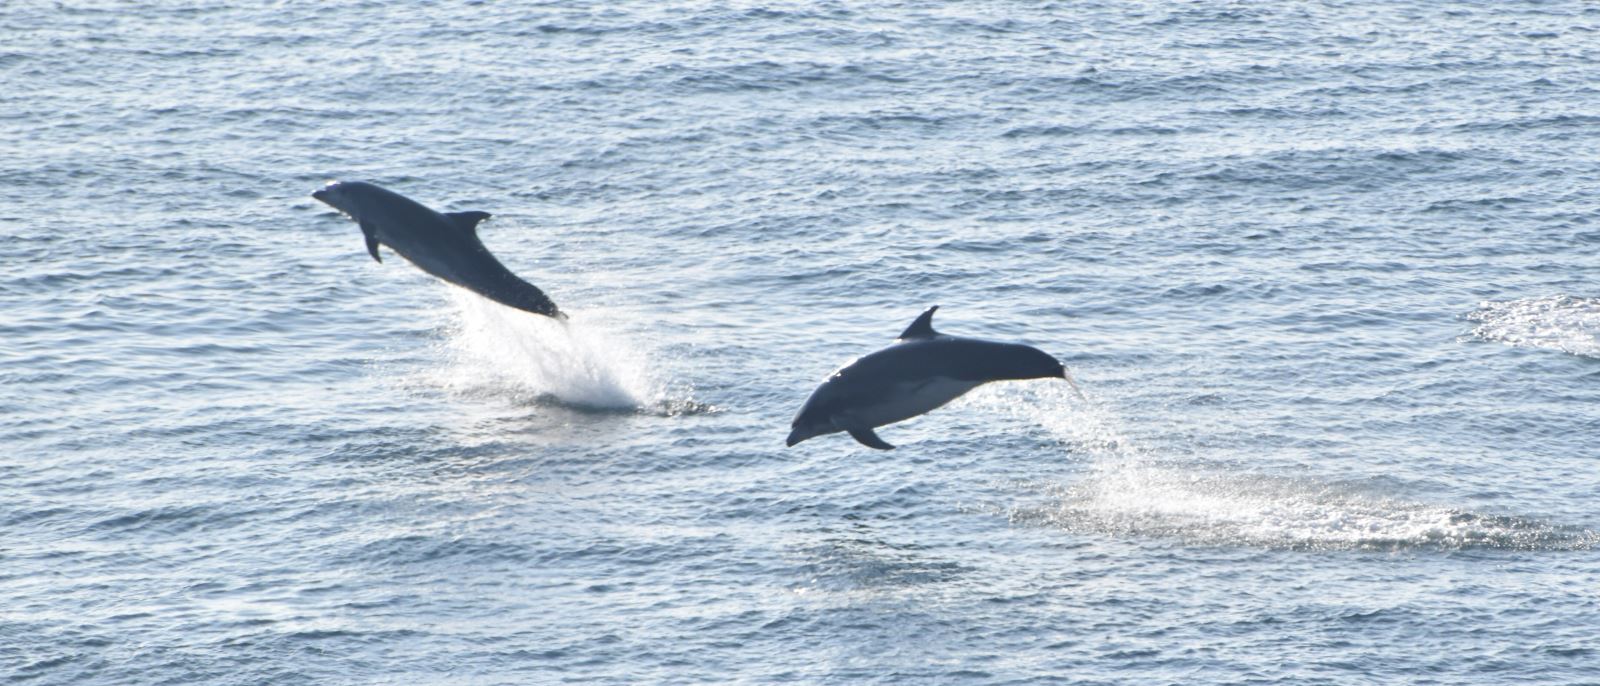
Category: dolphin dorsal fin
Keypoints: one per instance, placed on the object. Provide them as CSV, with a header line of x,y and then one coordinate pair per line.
x,y
467,221
922,327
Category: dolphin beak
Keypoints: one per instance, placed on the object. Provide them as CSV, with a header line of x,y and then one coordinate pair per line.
x,y
794,437
320,194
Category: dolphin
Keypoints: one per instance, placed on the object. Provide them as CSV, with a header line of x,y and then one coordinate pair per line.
x,y
921,371
444,245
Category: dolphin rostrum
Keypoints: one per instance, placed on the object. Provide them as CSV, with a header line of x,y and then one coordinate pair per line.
x,y
444,245
921,371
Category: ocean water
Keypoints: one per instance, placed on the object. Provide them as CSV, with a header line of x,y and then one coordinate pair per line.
x,y
1326,272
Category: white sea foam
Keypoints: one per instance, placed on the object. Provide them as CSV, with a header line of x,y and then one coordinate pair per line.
x,y
1559,322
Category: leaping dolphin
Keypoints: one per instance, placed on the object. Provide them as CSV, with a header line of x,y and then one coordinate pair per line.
x,y
444,245
921,371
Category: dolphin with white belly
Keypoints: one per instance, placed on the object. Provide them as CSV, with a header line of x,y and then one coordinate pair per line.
x,y
921,371
445,245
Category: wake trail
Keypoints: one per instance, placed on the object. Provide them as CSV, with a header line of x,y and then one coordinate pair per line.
x,y
1126,491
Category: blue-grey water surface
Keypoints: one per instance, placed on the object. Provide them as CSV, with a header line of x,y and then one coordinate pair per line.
x,y
1326,271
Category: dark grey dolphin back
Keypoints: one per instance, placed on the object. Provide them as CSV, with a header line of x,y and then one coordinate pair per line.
x,y
501,284
445,245
497,282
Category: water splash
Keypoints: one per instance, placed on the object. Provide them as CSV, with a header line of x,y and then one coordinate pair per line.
x,y
1561,322
497,350
1066,412
1125,491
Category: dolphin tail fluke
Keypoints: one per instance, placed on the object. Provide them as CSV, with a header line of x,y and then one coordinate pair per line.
x,y
372,240
535,301
866,437
526,297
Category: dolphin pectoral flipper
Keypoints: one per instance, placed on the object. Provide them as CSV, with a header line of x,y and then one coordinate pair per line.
x,y
372,240
865,436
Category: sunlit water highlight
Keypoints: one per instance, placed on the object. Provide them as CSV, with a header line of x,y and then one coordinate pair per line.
x,y
1563,323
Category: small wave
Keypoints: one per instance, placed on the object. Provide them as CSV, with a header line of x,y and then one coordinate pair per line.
x,y
864,563
1561,322
535,360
